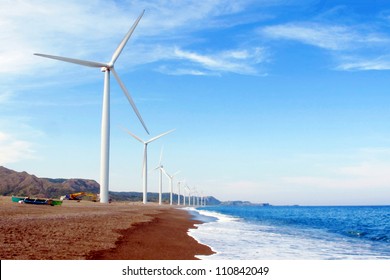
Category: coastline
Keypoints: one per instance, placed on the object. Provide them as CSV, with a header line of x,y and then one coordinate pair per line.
x,y
94,231
165,237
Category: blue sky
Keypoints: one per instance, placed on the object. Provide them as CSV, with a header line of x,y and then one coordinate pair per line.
x,y
273,101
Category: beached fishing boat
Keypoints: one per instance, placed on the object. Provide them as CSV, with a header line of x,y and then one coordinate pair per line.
x,y
56,202
39,201
18,198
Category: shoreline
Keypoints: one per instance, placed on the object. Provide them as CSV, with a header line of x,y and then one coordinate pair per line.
x,y
94,231
165,237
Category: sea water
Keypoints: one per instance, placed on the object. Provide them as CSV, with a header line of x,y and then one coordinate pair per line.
x,y
294,232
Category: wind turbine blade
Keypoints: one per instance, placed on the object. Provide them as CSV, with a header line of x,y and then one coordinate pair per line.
x,y
159,136
135,136
75,61
177,172
125,39
129,98
165,172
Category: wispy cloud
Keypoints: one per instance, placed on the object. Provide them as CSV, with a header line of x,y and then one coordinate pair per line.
x,y
240,61
65,27
362,176
356,63
327,37
353,46
330,37
369,169
181,71
80,29
13,149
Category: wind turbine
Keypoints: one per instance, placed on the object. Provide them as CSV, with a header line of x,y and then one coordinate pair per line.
x,y
145,162
161,168
171,183
195,198
188,195
178,187
201,198
105,128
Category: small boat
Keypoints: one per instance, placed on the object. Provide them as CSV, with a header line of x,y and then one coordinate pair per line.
x,y
39,201
56,202
18,198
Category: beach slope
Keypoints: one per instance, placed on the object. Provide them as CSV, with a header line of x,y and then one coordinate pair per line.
x,y
88,230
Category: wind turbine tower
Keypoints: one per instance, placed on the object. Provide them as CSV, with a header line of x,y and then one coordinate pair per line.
x,y
107,68
195,198
145,161
171,184
178,196
188,195
160,167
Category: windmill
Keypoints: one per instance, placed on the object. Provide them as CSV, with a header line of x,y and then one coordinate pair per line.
x,y
170,177
105,128
188,195
195,197
179,194
145,161
160,167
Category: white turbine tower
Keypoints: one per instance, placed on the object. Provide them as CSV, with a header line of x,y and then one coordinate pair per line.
x,y
201,198
195,197
161,168
179,194
170,177
105,130
145,162
188,195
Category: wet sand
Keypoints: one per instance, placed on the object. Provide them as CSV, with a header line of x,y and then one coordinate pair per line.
x,y
88,230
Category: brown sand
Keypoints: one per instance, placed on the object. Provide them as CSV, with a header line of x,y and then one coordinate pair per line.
x,y
88,230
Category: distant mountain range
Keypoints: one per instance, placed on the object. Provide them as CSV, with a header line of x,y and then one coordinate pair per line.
x,y
24,184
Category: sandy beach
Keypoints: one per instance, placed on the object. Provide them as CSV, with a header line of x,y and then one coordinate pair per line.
x,y
88,230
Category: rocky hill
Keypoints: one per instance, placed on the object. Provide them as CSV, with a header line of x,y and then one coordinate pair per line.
x,y
24,184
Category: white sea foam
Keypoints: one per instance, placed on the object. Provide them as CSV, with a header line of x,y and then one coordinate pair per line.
x,y
235,239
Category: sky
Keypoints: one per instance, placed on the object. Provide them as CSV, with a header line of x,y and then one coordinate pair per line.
x,y
277,101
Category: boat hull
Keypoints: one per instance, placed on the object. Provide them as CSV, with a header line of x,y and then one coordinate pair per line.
x,y
38,201
17,198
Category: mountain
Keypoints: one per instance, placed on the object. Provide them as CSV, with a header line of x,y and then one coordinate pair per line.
x,y
24,184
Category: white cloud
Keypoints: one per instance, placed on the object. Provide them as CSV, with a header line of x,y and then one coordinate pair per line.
x,y
375,171
182,71
61,27
356,64
367,168
235,61
331,37
352,46
188,15
14,150
327,37
92,28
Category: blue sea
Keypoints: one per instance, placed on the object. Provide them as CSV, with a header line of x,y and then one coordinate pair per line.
x,y
294,232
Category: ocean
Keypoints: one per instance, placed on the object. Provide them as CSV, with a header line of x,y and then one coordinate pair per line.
x,y
294,232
